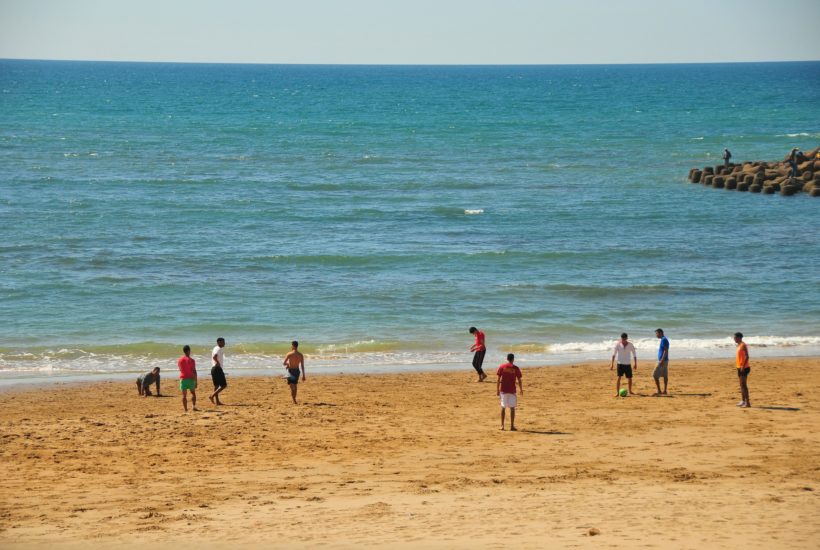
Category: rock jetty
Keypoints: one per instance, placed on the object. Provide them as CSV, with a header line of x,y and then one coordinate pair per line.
x,y
764,177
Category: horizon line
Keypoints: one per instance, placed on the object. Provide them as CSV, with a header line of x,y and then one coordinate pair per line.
x,y
317,64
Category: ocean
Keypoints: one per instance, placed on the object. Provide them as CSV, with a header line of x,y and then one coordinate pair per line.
x,y
375,213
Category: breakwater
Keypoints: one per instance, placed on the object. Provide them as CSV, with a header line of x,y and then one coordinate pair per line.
x,y
764,176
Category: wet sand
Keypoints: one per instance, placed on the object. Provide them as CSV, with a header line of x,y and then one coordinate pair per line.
x,y
418,460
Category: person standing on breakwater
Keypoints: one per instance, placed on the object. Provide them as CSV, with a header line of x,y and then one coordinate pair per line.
x,y
625,352
793,161
727,156
144,382
217,372
187,377
293,361
480,350
662,368
508,373
743,370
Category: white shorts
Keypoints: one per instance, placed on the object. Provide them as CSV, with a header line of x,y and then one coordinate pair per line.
x,y
509,400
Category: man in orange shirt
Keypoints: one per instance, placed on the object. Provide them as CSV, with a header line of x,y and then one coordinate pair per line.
x,y
743,369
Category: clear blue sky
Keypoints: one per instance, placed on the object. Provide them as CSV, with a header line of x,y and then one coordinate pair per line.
x,y
412,31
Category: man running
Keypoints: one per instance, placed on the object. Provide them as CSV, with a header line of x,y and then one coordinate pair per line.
x,y
293,361
480,350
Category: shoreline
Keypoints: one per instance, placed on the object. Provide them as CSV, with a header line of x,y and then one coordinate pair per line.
x,y
9,380
418,460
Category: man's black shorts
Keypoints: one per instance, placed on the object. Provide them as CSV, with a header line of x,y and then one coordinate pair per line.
x,y
218,377
625,370
744,372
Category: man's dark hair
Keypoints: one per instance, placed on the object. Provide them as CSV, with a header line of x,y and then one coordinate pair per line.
x,y
220,339
660,330
510,357
623,335
295,344
156,369
473,330
186,349
739,335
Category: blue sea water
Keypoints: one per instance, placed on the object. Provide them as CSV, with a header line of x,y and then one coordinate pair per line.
x,y
377,212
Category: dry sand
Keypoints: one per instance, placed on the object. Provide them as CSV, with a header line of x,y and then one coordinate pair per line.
x,y
418,460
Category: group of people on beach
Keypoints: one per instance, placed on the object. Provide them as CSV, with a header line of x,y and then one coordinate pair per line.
x,y
627,360
508,375
188,378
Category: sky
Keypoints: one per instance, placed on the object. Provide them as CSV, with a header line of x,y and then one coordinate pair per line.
x,y
412,31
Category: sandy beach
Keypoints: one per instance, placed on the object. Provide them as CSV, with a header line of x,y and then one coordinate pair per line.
x,y
418,460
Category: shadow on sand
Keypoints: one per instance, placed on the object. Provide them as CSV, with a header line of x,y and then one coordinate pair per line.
x,y
778,408
544,432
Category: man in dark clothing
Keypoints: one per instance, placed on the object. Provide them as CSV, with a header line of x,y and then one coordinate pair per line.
x,y
144,382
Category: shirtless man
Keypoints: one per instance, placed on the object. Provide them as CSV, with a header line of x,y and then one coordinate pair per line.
x,y
293,361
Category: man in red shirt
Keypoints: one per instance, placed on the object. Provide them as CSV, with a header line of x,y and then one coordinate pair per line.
x,y
187,377
508,373
480,350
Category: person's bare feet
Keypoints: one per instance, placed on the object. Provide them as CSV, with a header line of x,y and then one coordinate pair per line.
x,y
513,429
211,399
502,428
482,377
218,402
746,406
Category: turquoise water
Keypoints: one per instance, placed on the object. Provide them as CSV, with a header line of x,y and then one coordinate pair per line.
x,y
375,213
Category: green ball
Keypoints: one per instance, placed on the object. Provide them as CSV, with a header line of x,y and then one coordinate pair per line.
x,y
623,392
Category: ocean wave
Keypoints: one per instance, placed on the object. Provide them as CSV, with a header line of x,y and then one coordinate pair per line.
x,y
368,355
799,134
693,344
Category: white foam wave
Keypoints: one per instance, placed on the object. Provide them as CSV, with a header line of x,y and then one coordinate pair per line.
x,y
474,212
22,365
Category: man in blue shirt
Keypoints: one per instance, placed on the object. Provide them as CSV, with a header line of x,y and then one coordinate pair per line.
x,y
662,369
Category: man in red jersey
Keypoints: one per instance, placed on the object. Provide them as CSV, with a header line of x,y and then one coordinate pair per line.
x,y
187,377
508,373
480,350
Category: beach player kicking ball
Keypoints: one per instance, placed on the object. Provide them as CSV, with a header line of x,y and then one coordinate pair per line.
x,y
625,351
743,370
480,350
187,377
508,373
293,361
217,372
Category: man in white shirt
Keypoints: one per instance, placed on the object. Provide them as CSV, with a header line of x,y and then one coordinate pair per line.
x,y
217,374
625,352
